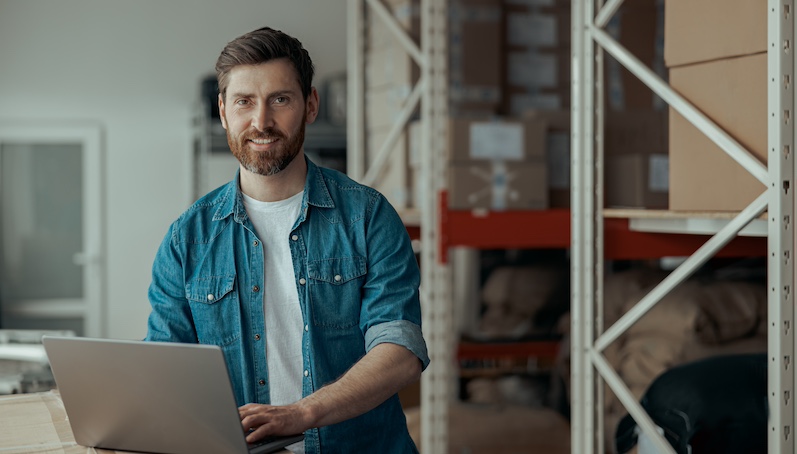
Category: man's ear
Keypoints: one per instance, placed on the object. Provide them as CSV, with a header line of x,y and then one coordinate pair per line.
x,y
312,105
222,113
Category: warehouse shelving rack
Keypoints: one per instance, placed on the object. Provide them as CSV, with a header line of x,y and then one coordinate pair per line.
x,y
436,301
589,366
594,234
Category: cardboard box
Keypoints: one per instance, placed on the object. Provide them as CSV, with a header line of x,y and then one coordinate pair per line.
x,y
704,30
637,180
498,185
638,141
501,139
538,26
539,69
557,154
733,93
475,46
474,52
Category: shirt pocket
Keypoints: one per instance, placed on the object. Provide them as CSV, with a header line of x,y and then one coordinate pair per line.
x,y
335,291
214,306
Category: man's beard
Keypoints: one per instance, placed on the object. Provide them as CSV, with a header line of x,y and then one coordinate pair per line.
x,y
269,162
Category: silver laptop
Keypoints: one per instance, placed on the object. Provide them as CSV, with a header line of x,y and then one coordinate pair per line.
x,y
150,396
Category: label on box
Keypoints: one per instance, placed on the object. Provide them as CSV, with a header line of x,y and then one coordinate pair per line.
x,y
498,141
535,30
659,173
533,70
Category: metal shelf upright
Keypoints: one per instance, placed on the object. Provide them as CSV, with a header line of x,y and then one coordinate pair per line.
x,y
589,365
437,382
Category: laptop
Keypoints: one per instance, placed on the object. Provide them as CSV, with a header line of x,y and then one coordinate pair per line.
x,y
150,397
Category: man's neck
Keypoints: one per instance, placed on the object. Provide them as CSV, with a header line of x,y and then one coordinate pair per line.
x,y
273,188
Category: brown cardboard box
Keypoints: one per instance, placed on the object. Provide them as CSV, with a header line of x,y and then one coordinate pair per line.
x,y
509,139
638,141
475,46
537,56
703,30
557,154
733,93
539,26
637,180
498,185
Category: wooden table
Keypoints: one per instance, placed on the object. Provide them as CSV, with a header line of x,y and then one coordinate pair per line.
x,y
36,423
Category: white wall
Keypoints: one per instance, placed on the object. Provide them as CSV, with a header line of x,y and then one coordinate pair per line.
x,y
135,67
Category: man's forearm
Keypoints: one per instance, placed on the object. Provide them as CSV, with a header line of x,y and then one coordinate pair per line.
x,y
382,372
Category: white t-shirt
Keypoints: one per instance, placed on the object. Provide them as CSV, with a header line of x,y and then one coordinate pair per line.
x,y
284,323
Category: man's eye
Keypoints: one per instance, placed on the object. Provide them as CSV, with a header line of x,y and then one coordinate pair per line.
x,y
281,99
242,102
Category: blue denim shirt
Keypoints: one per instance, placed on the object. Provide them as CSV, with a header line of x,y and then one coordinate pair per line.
x,y
358,284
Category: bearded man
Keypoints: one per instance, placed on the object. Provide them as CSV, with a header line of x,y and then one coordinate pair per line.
x,y
305,278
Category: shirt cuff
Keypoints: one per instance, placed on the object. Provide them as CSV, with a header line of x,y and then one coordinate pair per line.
x,y
399,332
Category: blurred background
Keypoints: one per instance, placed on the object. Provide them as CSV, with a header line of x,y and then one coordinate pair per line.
x,y
121,82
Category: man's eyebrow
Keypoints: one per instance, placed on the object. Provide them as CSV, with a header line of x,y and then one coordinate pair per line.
x,y
273,94
239,94
281,93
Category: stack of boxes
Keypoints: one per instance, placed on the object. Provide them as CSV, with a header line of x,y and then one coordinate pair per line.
x,y
497,164
537,55
509,74
716,54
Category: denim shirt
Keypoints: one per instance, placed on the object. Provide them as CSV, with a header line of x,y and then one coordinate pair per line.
x,y
358,284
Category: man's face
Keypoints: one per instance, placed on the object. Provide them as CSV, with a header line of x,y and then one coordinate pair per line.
x,y
265,115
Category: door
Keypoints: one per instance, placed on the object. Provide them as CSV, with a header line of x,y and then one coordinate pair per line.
x,y
51,228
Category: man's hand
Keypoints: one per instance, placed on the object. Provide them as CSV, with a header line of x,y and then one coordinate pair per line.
x,y
382,372
269,420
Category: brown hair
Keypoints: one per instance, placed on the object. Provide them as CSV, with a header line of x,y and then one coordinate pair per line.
x,y
260,46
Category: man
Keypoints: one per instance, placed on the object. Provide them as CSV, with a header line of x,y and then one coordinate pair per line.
x,y
305,278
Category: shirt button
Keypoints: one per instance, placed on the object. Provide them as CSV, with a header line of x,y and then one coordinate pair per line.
x,y
262,382
337,278
302,281
211,297
294,237
255,289
306,328
257,337
255,243
307,373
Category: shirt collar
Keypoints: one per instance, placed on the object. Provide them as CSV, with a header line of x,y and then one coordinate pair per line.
x,y
316,193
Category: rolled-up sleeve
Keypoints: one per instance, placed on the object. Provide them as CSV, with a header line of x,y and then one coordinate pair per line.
x,y
400,332
391,309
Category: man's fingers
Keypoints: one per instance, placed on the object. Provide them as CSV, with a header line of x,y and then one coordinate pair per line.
x,y
250,409
253,421
257,434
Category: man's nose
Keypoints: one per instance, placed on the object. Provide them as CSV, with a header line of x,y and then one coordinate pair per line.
x,y
262,118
